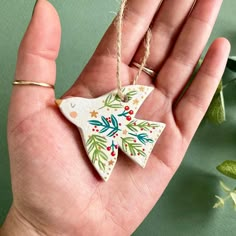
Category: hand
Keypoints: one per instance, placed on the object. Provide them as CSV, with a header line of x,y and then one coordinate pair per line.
x,y
55,189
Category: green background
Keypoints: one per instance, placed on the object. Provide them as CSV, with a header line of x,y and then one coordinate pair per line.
x,y
186,206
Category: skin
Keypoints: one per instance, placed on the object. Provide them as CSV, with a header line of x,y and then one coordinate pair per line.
x,y
55,189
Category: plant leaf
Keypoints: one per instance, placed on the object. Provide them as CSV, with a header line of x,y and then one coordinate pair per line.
x,y
220,202
216,110
228,168
224,187
108,99
131,126
233,196
104,130
231,64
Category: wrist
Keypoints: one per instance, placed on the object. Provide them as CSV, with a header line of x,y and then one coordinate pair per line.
x,y
16,225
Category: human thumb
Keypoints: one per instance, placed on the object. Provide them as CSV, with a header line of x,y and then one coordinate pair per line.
x,y
36,63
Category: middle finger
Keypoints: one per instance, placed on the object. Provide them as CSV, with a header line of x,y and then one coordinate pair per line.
x,y
165,28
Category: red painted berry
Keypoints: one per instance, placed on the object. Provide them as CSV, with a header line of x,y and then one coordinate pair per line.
x,y
131,112
113,153
128,118
116,146
126,108
108,148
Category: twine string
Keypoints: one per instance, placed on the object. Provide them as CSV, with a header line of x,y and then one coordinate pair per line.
x,y
147,47
147,42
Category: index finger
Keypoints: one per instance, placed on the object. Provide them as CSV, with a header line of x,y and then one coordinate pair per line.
x,y
138,16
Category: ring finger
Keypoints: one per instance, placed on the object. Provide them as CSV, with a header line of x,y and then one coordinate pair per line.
x,y
165,29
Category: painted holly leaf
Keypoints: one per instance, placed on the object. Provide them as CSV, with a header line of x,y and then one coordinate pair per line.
x,y
228,168
216,110
96,142
231,63
219,203
95,122
106,125
114,121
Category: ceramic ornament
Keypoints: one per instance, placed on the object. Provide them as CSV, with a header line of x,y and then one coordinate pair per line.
x,y
107,124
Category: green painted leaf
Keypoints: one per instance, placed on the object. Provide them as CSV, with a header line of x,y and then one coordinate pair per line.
x,y
101,145
142,153
96,144
104,130
95,122
114,121
106,123
91,147
94,156
116,106
220,202
128,145
228,168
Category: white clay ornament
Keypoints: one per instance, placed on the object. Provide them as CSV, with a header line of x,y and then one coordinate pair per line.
x,y
107,124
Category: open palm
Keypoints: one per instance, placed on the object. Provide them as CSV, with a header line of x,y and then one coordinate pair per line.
x,y
55,188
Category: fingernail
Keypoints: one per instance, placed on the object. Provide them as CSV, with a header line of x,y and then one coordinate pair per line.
x,y
34,7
